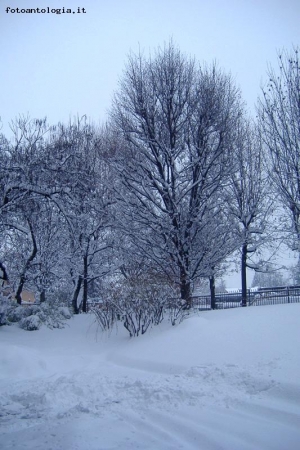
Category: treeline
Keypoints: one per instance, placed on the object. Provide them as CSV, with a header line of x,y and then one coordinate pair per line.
x,y
178,179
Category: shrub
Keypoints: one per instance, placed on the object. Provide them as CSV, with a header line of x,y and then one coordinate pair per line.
x,y
30,323
138,304
51,314
31,317
176,310
65,312
17,313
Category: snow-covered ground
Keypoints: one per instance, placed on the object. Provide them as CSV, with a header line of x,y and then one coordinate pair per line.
x,y
225,379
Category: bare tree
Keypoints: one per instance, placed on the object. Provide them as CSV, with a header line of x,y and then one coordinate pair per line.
x,y
54,177
279,116
248,199
22,192
176,128
87,202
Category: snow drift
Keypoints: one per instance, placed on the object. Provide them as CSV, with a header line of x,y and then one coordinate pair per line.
x,y
221,380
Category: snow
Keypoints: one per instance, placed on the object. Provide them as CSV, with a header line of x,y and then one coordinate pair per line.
x,y
220,380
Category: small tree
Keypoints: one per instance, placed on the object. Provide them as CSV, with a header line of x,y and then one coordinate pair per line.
x,y
247,198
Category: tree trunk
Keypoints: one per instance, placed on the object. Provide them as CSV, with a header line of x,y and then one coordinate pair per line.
x,y
4,274
18,296
212,291
244,274
85,284
27,265
76,294
185,290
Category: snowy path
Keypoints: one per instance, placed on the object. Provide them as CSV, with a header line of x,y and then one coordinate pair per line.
x,y
223,380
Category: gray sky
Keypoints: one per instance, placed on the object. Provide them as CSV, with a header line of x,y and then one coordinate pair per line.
x,y
63,65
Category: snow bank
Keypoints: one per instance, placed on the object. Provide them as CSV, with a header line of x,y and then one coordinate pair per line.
x,y
221,380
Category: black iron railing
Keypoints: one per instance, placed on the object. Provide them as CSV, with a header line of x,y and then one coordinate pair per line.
x,y
257,297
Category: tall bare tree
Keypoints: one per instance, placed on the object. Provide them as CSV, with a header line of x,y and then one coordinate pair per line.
x,y
176,125
248,198
279,116
86,201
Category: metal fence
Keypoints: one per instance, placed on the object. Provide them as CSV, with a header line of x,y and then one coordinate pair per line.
x,y
257,297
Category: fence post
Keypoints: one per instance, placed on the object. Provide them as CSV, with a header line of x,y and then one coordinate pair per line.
x,y
288,292
212,292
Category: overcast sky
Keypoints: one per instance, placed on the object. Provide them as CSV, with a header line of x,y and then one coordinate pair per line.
x,y
65,65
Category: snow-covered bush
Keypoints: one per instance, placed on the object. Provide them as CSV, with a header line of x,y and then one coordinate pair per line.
x,y
51,314
31,317
139,315
17,312
176,310
106,314
30,323
136,314
138,304
65,312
